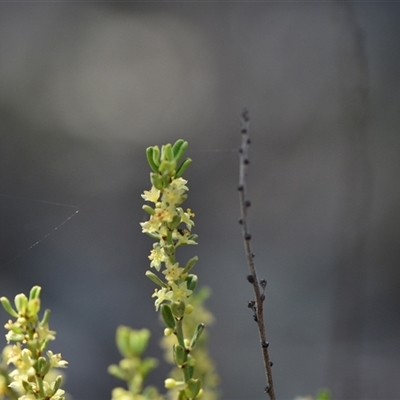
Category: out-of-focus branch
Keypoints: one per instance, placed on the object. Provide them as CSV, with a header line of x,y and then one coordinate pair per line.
x,y
258,285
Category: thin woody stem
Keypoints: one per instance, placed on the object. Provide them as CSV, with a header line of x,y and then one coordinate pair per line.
x,y
258,286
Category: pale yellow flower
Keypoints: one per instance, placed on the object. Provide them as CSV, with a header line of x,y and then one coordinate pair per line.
x,y
157,256
186,217
56,360
161,295
23,362
183,237
150,226
151,195
44,333
172,272
178,292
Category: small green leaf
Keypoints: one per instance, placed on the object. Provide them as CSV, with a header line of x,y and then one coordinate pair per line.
x,y
7,306
122,340
155,279
175,222
179,148
182,168
156,180
21,303
199,330
35,292
193,388
57,384
191,282
148,209
167,153
150,159
46,318
178,309
156,156
138,340
116,371
167,316
179,355
190,264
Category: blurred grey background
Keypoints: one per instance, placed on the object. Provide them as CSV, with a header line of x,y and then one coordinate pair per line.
x,y
86,87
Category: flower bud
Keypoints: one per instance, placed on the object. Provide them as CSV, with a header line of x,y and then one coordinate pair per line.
x,y
168,331
189,309
170,383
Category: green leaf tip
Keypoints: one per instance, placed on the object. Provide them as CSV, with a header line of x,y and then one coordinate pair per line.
x,y
7,307
179,148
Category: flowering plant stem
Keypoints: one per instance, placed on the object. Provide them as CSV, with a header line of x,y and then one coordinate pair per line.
x,y
34,376
170,225
258,285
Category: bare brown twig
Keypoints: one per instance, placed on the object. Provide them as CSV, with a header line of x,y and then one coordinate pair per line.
x,y
259,285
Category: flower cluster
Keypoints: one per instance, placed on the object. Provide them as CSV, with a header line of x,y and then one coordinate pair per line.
x,y
170,225
34,375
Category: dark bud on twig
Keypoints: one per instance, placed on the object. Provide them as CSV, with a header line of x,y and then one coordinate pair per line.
x,y
255,318
263,283
240,151
243,131
251,303
247,236
247,203
248,141
252,255
262,297
240,221
240,188
271,363
250,278
265,345
267,389
246,161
